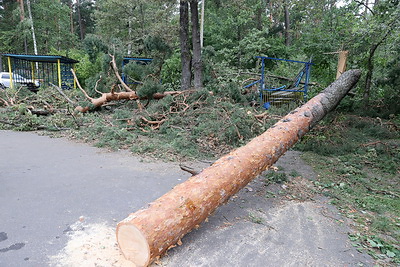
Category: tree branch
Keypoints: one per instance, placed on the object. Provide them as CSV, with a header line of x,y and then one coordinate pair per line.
x,y
64,95
80,87
114,67
366,6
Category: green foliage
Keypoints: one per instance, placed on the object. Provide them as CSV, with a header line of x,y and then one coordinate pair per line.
x,y
171,72
149,88
133,23
155,43
276,177
356,159
94,46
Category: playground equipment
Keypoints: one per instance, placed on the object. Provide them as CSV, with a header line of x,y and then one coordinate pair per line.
x,y
278,95
43,69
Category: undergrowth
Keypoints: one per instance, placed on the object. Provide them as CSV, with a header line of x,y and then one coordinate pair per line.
x,y
357,161
195,124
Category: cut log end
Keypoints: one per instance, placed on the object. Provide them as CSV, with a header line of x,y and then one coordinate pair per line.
x,y
133,244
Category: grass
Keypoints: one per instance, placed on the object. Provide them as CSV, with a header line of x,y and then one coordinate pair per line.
x,y
357,162
254,218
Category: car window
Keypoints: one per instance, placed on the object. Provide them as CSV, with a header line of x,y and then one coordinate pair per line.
x,y
5,76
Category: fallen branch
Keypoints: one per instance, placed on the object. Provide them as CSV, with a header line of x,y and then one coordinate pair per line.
x,y
383,192
188,169
79,86
373,144
64,95
5,102
153,124
107,97
114,67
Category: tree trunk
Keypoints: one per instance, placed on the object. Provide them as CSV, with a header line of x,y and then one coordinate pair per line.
x,y
287,24
202,24
186,76
81,29
149,232
368,76
71,17
196,61
370,63
259,12
28,3
22,18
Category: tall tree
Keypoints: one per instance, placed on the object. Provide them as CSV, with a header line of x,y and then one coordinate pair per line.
x,y
196,61
28,2
383,22
127,24
80,22
22,17
186,75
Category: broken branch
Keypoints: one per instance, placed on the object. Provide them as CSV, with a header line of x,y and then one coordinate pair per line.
x,y
114,67
79,86
64,95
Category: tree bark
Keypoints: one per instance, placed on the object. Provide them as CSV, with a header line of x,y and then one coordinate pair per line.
x,y
202,24
368,76
81,26
28,3
22,18
149,232
186,76
196,61
71,17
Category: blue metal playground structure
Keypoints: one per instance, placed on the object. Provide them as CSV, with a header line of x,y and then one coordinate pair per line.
x,y
138,60
296,91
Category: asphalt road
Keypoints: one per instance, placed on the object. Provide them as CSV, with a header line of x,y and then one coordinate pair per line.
x,y
47,185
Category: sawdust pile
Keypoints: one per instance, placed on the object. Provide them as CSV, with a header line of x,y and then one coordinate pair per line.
x,y
90,245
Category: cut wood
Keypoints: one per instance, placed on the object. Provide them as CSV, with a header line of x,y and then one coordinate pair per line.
x,y
341,67
149,232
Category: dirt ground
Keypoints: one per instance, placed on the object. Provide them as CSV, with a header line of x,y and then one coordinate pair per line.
x,y
60,202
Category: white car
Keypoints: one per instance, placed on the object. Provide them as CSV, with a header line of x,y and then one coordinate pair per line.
x,y
5,81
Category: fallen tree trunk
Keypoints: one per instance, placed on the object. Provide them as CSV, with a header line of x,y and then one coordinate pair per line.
x,y
149,232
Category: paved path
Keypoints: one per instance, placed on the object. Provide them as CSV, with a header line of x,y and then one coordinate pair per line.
x,y
49,186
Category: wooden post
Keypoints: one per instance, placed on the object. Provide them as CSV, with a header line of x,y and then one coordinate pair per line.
x,y
342,63
59,72
149,232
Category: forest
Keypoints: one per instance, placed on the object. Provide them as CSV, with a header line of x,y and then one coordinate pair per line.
x,y
234,34
190,101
